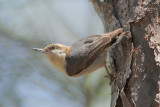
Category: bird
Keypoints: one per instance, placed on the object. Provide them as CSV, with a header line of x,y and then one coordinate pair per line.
x,y
82,57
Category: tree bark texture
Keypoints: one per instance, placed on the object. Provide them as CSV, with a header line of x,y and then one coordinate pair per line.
x,y
135,58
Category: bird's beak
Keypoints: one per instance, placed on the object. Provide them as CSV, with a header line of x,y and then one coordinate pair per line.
x,y
39,50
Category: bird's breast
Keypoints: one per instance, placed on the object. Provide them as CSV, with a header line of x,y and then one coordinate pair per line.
x,y
58,62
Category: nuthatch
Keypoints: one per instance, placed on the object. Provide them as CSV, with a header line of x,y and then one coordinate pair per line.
x,y
82,57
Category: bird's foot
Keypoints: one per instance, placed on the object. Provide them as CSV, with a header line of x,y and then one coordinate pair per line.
x,y
110,75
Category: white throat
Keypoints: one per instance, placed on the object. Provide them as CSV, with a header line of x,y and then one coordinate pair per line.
x,y
57,58
59,53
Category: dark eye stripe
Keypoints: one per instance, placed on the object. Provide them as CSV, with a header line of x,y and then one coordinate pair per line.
x,y
53,47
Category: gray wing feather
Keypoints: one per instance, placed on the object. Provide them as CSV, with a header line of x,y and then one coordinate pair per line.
x,y
84,52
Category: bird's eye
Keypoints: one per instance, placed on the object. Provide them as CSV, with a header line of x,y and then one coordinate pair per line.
x,y
53,47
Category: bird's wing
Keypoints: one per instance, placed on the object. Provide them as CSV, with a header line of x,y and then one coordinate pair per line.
x,y
86,50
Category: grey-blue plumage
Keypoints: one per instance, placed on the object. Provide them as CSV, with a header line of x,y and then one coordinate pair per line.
x,y
86,50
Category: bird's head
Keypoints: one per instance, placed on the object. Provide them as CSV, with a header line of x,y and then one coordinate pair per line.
x,y
56,54
54,50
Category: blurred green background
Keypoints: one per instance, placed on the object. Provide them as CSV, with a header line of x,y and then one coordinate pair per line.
x,y
27,79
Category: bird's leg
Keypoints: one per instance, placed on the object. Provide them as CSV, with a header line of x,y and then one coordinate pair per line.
x,y
110,75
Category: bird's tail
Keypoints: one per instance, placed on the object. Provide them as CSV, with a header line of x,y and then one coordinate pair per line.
x,y
114,33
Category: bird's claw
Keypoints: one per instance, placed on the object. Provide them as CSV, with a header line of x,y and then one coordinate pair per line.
x,y
112,78
110,75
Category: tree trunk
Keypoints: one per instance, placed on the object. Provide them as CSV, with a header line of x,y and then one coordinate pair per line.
x,y
136,67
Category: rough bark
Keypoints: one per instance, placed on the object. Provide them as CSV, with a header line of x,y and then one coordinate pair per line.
x,y
137,70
